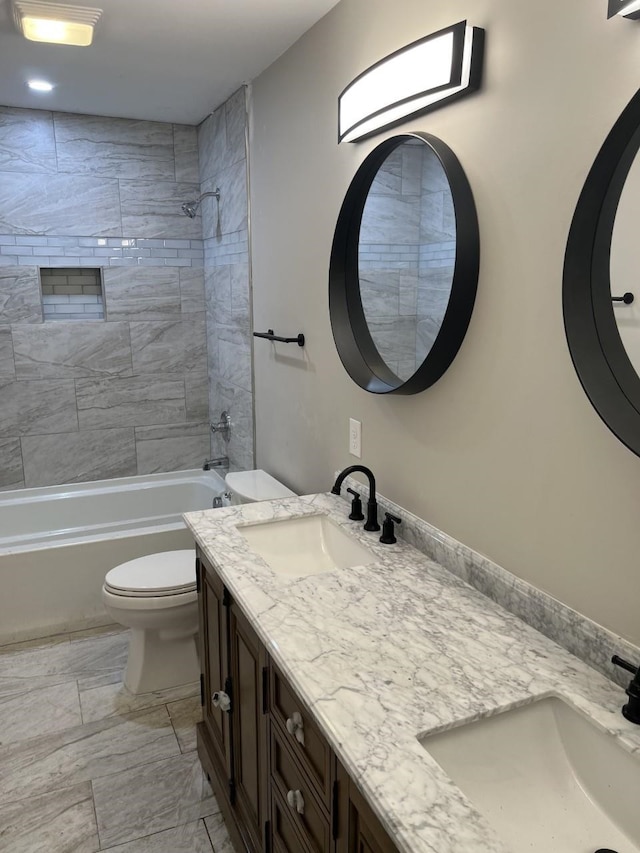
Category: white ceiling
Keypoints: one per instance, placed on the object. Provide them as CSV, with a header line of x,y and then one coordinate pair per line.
x,y
163,60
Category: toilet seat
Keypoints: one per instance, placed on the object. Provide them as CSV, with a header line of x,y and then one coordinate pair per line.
x,y
154,576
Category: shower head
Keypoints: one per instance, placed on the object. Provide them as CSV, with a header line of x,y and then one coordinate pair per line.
x,y
190,208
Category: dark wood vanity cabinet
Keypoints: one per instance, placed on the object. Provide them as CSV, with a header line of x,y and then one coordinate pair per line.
x,y
278,783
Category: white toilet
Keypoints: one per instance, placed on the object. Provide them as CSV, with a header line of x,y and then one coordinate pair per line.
x,y
155,596
249,486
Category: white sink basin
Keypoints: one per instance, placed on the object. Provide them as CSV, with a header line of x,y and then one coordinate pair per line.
x,y
309,545
546,778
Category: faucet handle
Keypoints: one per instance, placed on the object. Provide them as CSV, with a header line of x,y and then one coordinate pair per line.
x,y
388,533
624,664
356,506
631,711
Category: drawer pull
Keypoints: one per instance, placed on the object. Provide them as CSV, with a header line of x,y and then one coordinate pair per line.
x,y
296,801
295,727
221,700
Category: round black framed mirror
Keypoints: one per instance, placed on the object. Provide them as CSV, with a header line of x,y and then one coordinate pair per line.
x,y
597,350
404,265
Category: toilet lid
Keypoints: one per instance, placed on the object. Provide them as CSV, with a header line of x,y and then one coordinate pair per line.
x,y
257,485
167,573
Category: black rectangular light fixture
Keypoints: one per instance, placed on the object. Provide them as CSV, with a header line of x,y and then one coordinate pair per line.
x,y
419,77
626,8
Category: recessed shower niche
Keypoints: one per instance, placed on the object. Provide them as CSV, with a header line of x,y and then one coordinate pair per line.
x,y
71,293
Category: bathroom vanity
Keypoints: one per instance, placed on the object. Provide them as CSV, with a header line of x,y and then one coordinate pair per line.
x,y
278,782
333,697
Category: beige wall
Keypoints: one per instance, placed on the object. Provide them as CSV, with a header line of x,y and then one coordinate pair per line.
x,y
504,452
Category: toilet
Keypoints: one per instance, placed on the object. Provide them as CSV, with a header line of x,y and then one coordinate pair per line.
x,y
155,596
250,486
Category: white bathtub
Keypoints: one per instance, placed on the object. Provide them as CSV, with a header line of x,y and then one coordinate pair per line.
x,y
57,543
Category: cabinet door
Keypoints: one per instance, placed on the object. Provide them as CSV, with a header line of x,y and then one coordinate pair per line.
x,y
359,830
214,661
249,678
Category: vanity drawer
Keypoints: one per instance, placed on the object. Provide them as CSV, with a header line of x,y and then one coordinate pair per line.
x,y
315,754
288,782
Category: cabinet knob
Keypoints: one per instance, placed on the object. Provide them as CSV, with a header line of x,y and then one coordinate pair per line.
x,y
221,700
295,727
296,801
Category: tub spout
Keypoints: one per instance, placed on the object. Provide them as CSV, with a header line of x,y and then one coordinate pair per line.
x,y
217,462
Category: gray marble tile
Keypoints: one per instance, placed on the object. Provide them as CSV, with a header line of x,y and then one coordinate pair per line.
x,y
43,663
437,218
62,821
187,838
132,402
86,752
71,350
218,834
236,119
151,798
20,300
142,293
27,142
391,219
240,291
229,214
192,290
239,403
108,700
153,209
7,364
11,473
212,143
47,204
388,179
38,407
196,388
169,347
185,715
434,178
234,353
172,448
412,167
185,144
77,457
114,147
39,712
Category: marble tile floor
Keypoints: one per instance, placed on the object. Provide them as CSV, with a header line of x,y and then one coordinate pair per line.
x,y
86,766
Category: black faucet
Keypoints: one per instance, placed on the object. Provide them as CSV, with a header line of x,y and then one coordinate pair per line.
x,y
372,505
632,709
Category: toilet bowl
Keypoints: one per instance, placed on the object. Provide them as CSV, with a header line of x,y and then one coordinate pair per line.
x,y
155,596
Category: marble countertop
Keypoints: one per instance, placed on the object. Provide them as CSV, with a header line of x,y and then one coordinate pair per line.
x,y
387,653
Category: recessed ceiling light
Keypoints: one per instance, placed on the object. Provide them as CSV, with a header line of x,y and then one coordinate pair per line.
x,y
55,23
40,85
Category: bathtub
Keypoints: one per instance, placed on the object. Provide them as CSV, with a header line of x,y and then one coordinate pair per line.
x,y
57,543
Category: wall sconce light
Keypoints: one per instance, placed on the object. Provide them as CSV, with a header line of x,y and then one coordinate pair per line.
x,y
626,8
419,77
55,23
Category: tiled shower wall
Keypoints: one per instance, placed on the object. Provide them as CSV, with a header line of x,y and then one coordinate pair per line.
x,y
85,400
223,164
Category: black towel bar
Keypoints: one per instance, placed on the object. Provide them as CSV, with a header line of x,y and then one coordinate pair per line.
x,y
269,335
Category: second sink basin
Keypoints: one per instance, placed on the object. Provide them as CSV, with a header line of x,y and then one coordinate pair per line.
x,y
546,778
309,545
